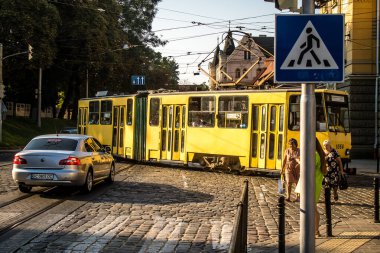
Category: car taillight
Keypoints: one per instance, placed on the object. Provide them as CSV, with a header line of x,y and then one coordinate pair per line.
x,y
19,160
71,160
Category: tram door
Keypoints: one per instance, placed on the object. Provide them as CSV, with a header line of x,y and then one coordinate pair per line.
x,y
118,130
266,137
172,132
82,120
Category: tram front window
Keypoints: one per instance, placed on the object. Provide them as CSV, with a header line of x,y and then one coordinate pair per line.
x,y
337,113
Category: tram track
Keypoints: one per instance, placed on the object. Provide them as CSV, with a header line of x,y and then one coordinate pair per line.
x,y
22,217
5,164
25,196
12,225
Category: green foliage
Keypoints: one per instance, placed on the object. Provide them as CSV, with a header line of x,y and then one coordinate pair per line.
x,y
19,131
71,38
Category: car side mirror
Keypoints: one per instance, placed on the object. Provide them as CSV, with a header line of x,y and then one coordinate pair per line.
x,y
107,149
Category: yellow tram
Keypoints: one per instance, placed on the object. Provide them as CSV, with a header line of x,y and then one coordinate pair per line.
x,y
234,129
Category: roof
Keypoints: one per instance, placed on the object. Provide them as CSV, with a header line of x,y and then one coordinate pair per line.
x,y
215,60
266,73
229,45
267,43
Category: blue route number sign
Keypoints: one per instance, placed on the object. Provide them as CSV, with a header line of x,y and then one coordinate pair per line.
x,y
309,48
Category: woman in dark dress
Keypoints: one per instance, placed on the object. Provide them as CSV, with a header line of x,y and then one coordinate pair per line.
x,y
334,168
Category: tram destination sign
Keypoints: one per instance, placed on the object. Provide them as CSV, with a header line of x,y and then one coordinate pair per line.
x,y
309,48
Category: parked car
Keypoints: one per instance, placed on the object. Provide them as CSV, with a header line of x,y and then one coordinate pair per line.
x,y
69,130
63,160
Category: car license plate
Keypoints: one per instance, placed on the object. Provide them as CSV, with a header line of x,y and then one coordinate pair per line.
x,y
40,176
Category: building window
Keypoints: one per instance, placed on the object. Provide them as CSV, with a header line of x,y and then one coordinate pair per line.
x,y
237,73
247,55
246,76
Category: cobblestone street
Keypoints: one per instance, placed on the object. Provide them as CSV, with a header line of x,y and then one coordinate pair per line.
x,y
157,209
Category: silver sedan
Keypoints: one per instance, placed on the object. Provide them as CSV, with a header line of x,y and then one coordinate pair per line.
x,y
63,160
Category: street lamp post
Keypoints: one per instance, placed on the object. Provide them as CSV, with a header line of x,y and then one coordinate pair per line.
x,y
1,94
39,97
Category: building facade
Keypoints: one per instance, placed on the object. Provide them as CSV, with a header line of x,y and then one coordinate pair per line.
x,y
360,69
238,66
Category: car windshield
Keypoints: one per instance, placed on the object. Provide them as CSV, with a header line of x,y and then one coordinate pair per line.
x,y
52,144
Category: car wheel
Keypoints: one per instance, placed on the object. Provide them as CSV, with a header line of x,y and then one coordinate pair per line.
x,y
87,187
24,188
111,177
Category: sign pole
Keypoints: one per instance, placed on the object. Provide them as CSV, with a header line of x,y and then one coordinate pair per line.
x,y
308,117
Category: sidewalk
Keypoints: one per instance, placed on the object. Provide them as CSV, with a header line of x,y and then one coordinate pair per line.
x,y
349,235
364,165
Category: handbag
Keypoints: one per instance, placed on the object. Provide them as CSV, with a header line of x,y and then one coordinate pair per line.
x,y
281,186
343,184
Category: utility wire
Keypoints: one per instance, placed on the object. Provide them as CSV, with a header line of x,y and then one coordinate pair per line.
x,y
219,22
192,14
192,37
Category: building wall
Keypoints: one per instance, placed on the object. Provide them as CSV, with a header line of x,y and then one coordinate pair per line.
x,y
360,70
362,101
237,60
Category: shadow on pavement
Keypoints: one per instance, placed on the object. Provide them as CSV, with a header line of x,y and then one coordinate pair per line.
x,y
151,193
133,193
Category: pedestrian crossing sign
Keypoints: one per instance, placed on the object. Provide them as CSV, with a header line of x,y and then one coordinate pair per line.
x,y
309,48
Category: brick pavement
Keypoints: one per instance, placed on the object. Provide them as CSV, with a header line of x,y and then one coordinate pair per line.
x,y
6,182
156,209
351,216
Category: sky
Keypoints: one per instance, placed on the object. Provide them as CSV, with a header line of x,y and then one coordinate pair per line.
x,y
192,29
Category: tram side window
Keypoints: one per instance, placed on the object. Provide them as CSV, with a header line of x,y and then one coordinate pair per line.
x,y
320,114
94,113
129,111
154,111
201,112
106,112
233,112
294,112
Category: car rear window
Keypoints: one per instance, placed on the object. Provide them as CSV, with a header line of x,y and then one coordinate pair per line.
x,y
52,144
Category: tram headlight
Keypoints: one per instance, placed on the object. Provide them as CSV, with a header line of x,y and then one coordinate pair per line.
x,y
347,152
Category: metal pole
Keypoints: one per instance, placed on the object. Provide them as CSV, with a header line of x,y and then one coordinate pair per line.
x,y
1,97
281,224
328,211
307,210
376,145
86,83
39,97
376,199
245,216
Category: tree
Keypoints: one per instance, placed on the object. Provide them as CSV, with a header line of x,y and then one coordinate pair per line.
x,y
24,22
71,38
